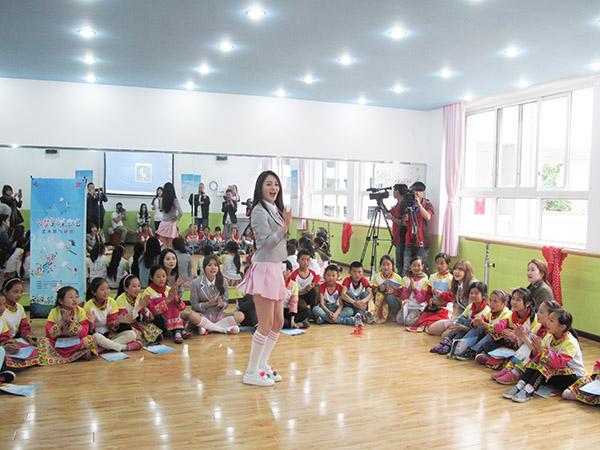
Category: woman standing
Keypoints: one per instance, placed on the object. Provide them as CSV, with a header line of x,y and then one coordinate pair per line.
x,y
264,279
171,213
156,204
14,203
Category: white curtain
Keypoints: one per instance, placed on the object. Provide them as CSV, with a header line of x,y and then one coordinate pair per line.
x,y
454,131
302,194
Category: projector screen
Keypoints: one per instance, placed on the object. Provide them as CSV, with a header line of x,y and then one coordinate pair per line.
x,y
136,173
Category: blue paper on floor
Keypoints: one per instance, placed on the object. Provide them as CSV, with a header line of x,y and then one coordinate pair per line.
x,y
294,332
160,348
117,356
16,389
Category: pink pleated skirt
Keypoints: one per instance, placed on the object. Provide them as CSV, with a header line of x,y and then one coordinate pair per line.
x,y
264,279
168,229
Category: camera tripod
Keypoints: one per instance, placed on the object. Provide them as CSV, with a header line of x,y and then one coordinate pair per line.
x,y
373,236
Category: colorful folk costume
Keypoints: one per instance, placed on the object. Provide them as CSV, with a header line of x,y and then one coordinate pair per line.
x,y
381,309
18,326
433,313
575,388
146,331
75,329
6,338
169,311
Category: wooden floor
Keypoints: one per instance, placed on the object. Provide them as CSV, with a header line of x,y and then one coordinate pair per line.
x,y
382,390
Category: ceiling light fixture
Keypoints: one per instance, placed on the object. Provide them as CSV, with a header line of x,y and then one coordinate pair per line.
x,y
362,100
15,145
86,32
397,33
189,85
309,79
89,59
204,69
512,51
445,73
398,89
281,93
345,60
468,97
595,66
225,47
255,13
90,78
523,83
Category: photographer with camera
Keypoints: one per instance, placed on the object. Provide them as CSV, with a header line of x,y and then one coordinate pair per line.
x,y
95,208
117,219
397,216
201,204
418,214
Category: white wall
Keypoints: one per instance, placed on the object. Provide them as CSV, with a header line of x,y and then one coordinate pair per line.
x,y
53,114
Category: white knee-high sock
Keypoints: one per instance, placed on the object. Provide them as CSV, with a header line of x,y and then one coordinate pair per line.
x,y
258,344
227,322
125,337
106,343
205,323
271,341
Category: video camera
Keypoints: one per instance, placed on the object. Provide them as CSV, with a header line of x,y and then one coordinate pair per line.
x,y
379,194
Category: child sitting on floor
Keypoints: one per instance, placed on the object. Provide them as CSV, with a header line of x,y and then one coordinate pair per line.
x,y
293,315
414,294
331,308
388,287
357,292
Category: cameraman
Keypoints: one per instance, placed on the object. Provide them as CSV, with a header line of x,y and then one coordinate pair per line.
x,y
201,204
418,240
95,207
117,219
396,215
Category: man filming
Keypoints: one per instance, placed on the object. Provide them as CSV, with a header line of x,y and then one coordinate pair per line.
x,y
397,216
201,204
417,240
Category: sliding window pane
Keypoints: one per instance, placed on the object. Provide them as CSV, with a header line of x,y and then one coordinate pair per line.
x,y
316,175
342,176
329,206
564,221
329,175
479,153
553,142
581,139
508,119
528,144
516,218
342,207
476,215
316,205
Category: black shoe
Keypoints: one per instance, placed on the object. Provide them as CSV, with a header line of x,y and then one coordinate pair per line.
x,y
7,377
467,355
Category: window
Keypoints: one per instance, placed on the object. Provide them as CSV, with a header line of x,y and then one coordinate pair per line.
x,y
526,170
328,187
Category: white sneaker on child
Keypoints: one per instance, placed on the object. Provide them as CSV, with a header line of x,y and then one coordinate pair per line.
x,y
202,331
257,379
233,330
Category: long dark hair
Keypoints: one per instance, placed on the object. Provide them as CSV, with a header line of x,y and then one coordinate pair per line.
x,y
161,261
258,191
152,251
97,250
115,259
168,198
144,214
5,189
219,280
527,300
232,247
138,250
93,287
565,318
179,245
62,293
124,283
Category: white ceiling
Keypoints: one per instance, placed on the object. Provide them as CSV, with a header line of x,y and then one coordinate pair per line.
x,y
160,44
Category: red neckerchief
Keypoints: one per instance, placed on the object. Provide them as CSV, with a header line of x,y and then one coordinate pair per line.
x,y
12,307
474,312
160,290
444,273
541,332
495,315
130,300
100,308
516,320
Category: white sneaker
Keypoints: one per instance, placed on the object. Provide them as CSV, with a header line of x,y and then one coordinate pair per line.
x,y
202,331
233,330
257,379
273,375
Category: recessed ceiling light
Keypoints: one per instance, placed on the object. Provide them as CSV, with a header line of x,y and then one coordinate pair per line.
x,y
512,51
397,33
595,66
255,13
345,60
398,89
15,145
362,100
281,93
445,73
86,32
89,59
468,97
309,79
523,83
90,78
189,85
225,47
204,69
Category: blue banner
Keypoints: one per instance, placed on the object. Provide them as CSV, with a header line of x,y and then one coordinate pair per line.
x,y
57,240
